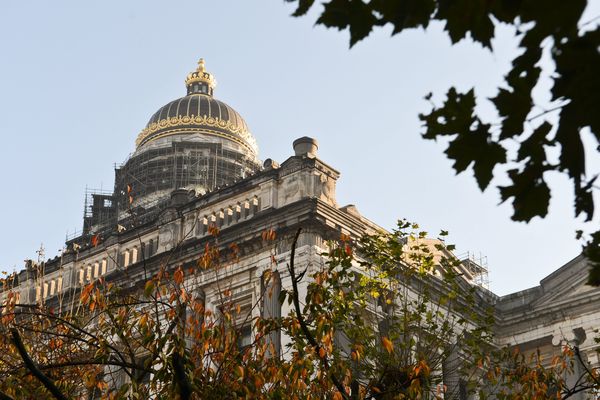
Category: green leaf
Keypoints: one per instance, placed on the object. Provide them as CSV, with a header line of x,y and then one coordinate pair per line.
x,y
149,288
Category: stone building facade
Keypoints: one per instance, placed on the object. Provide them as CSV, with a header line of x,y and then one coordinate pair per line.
x,y
196,165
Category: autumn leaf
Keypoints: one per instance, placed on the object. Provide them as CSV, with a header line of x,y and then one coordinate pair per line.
x,y
85,293
322,352
387,344
178,276
269,235
95,240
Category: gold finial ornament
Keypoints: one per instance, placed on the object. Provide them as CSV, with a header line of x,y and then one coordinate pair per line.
x,y
200,75
201,66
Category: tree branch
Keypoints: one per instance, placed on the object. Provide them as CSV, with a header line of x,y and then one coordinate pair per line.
x,y
179,377
583,364
47,382
4,396
307,334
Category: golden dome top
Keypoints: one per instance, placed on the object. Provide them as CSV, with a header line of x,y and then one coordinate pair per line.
x,y
198,113
200,80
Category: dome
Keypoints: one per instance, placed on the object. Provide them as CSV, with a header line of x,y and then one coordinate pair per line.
x,y
195,143
198,112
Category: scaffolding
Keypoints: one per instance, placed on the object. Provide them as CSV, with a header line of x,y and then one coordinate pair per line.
x,y
202,166
99,210
475,268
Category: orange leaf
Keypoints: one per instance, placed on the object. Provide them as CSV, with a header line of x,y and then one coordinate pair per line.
x,y
178,276
95,240
322,352
387,344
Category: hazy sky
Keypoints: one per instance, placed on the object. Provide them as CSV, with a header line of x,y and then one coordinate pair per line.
x,y
79,80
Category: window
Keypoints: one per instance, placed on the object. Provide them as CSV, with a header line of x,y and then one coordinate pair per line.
x,y
103,267
88,275
244,337
59,284
45,290
96,269
134,255
52,287
81,275
126,258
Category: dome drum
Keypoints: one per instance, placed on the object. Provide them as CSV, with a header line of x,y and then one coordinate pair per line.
x,y
152,175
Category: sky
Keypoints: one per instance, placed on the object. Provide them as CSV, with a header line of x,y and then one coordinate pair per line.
x,y
79,81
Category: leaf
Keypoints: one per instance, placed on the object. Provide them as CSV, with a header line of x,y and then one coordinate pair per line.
x,y
354,14
322,352
584,199
476,147
95,240
387,344
467,16
456,115
533,146
303,7
572,156
592,252
149,288
405,14
515,103
178,276
530,193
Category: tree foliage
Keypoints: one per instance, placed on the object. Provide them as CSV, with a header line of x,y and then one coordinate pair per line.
x,y
531,129
385,317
